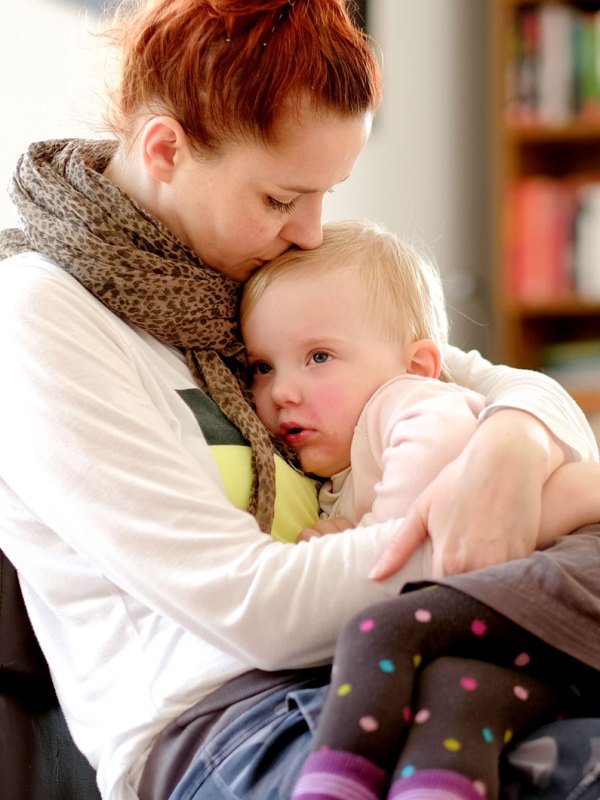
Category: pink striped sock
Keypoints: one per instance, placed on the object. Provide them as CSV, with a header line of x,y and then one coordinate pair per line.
x,y
434,784
337,775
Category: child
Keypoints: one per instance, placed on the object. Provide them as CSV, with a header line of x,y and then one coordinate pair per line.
x,y
344,348
342,367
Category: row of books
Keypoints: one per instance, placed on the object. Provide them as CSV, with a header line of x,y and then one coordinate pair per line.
x,y
553,239
576,365
553,64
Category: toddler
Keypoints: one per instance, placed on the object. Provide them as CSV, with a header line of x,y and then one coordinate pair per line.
x,y
345,347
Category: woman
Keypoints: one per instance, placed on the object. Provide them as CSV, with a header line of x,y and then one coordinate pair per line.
x,y
125,425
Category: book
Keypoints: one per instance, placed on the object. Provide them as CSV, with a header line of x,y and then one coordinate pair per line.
x,y
552,67
556,63
586,56
527,59
587,242
539,238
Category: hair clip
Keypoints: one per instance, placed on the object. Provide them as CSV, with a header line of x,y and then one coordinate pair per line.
x,y
282,13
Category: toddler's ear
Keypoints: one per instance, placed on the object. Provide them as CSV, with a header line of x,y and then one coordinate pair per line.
x,y
423,358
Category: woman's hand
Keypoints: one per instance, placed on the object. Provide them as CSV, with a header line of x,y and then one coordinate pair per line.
x,y
324,527
485,506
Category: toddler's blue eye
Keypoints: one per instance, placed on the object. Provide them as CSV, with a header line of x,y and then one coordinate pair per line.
x,y
320,358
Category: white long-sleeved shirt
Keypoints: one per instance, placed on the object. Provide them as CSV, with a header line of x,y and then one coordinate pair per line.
x,y
146,586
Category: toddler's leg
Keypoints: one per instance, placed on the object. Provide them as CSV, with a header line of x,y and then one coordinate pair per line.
x,y
369,707
465,712
359,731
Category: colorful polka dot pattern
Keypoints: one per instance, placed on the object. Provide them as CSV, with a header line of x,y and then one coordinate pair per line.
x,y
369,723
454,745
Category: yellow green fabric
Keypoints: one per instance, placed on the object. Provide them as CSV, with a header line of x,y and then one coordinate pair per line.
x,y
296,505
296,502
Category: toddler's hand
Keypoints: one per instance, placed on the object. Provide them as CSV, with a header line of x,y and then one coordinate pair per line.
x,y
325,526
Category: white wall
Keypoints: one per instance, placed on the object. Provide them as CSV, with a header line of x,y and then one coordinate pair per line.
x,y
51,79
424,172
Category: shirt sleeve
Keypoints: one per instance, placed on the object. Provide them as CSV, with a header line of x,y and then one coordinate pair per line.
x,y
107,497
527,390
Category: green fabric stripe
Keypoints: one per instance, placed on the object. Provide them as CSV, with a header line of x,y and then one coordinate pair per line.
x,y
215,426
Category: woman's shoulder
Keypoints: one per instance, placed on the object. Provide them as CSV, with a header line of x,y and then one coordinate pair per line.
x,y
41,304
47,314
30,276
34,288
28,264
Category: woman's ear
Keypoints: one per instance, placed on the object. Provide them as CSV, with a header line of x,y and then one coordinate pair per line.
x,y
423,358
163,141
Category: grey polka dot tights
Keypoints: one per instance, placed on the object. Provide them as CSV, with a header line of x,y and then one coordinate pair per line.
x,y
433,679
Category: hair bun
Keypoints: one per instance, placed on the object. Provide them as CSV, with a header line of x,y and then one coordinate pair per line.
x,y
243,15
228,70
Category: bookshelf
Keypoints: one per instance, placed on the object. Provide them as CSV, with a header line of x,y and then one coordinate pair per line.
x,y
546,185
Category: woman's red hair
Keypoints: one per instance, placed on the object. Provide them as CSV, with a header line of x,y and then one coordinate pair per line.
x,y
227,69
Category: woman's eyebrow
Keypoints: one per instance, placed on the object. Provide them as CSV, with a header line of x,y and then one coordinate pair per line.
x,y
297,189
305,189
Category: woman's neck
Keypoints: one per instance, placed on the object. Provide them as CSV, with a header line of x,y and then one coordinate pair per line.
x,y
120,172
127,172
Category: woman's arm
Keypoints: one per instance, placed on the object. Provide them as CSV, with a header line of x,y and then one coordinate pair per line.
x,y
110,495
485,507
570,500
527,390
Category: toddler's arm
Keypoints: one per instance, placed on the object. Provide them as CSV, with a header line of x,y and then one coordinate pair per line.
x,y
324,526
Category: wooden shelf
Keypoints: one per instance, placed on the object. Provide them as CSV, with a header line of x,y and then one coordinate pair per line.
x,y
581,3
589,401
572,131
523,148
571,306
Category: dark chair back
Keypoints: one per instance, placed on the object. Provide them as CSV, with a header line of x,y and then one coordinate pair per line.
x,y
38,757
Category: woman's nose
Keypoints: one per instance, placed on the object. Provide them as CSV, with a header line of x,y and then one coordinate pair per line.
x,y
304,228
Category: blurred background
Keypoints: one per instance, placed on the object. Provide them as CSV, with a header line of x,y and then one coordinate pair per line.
x,y
425,172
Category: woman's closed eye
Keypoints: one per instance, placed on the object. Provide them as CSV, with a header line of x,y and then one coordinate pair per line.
x,y
278,205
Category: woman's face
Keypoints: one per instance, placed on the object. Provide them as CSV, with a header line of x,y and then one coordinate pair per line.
x,y
252,202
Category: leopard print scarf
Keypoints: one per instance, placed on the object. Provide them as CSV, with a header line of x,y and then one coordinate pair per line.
x,y
140,271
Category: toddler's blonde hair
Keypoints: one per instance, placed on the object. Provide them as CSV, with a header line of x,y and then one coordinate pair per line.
x,y
402,288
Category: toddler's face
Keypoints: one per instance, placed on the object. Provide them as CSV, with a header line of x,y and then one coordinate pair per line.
x,y
316,358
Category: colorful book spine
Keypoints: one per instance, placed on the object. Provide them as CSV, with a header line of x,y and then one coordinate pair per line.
x,y
552,71
539,236
552,239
